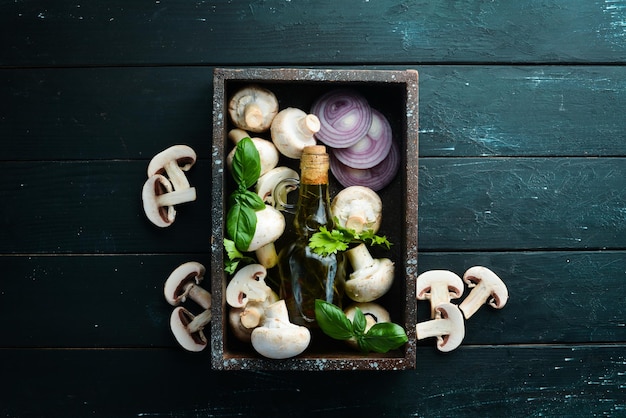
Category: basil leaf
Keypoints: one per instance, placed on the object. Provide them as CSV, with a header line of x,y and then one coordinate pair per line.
x,y
249,199
332,320
246,165
240,225
359,322
383,337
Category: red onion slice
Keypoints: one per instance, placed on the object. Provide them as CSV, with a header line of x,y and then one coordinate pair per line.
x,y
372,148
375,178
345,117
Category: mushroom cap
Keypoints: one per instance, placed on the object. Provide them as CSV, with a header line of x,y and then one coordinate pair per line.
x,y
253,108
234,320
270,226
268,155
487,287
278,338
449,328
248,284
358,207
266,184
372,282
184,155
156,185
293,129
181,279
179,324
441,278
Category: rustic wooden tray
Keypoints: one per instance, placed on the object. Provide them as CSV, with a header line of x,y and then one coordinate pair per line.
x,y
395,94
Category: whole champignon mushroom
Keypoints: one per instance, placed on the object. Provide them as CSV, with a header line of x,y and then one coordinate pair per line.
x,y
243,320
173,162
486,287
293,129
183,283
253,108
277,338
159,199
438,286
373,312
449,327
266,184
358,208
371,278
268,154
187,328
270,225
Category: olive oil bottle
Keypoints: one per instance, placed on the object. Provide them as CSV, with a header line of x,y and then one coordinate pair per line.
x,y
305,275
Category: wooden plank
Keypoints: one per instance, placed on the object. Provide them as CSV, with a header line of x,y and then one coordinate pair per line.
x,y
116,301
497,381
465,204
131,113
325,32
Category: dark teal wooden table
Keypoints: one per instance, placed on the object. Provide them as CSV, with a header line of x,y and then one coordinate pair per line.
x,y
522,169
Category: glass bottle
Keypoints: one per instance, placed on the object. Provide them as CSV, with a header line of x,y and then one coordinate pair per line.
x,y
305,275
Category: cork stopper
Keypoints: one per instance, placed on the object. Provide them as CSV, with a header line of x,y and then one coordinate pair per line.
x,y
314,164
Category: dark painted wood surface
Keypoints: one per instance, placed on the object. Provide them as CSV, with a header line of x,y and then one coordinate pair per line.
x,y
523,161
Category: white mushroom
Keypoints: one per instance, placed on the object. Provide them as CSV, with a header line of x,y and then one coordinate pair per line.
x,y
173,162
268,154
266,184
358,208
449,327
486,287
243,320
373,312
248,285
183,283
438,286
187,328
270,225
159,199
293,129
277,338
371,278
253,108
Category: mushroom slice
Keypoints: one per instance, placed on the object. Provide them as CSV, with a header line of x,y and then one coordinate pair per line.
x,y
187,328
358,208
371,278
173,162
248,285
449,327
184,282
438,286
253,108
277,338
486,287
159,199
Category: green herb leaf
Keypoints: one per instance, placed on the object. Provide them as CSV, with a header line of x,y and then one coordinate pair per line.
x,y
246,166
327,242
333,321
383,337
359,322
235,257
249,199
241,225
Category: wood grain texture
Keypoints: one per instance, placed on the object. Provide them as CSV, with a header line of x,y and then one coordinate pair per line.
x,y
110,113
498,381
323,32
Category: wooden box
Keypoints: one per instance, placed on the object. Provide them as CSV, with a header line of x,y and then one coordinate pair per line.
x,y
395,94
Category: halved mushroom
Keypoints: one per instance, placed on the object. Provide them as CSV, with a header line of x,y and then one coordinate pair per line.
x,y
449,327
293,129
187,328
248,285
358,208
438,286
253,108
277,338
266,184
184,283
159,199
173,162
371,278
486,287
268,154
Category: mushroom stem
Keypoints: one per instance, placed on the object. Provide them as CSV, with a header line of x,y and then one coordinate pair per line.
x,y
253,116
199,322
176,175
433,328
360,257
198,295
449,328
308,125
267,255
176,197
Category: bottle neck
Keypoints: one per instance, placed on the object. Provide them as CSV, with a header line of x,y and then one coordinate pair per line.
x,y
313,209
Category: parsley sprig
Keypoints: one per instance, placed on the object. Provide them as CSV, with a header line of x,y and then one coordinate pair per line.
x,y
326,242
380,338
